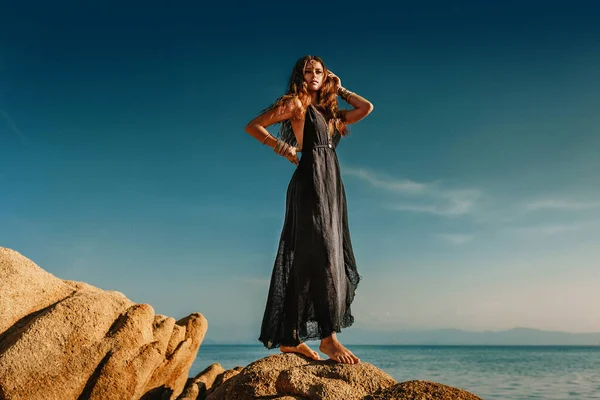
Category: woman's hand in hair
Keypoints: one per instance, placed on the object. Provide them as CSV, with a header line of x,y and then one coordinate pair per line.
x,y
337,82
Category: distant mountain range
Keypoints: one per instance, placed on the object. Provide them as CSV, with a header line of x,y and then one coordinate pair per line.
x,y
515,336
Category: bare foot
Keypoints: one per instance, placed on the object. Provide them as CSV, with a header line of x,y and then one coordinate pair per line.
x,y
303,349
334,349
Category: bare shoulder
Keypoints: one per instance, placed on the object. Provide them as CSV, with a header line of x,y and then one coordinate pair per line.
x,y
293,106
297,104
283,109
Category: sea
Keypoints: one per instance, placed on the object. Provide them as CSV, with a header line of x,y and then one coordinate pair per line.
x,y
491,372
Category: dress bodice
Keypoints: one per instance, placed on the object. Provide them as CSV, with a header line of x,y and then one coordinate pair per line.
x,y
316,133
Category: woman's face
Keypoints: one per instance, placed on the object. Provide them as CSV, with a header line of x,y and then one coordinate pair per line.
x,y
314,75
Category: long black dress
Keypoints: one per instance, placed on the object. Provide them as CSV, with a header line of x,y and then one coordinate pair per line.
x,y
314,276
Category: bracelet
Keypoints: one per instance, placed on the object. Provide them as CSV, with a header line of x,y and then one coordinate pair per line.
x,y
344,93
281,147
265,139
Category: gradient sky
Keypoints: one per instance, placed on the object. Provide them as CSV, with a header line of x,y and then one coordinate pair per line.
x,y
473,187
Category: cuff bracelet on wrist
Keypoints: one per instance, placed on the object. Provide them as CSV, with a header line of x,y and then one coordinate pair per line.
x,y
344,93
281,147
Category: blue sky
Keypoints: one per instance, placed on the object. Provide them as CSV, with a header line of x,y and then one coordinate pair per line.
x,y
473,187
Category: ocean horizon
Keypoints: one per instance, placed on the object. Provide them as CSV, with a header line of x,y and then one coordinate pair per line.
x,y
489,371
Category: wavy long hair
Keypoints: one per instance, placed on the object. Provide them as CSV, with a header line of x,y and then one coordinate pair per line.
x,y
327,102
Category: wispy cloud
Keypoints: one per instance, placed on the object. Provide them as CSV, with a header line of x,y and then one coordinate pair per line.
x,y
382,181
515,210
455,238
444,204
435,198
562,204
12,125
432,197
546,230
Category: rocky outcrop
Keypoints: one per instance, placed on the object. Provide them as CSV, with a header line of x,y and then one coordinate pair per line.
x,y
70,340
63,340
291,376
422,390
197,388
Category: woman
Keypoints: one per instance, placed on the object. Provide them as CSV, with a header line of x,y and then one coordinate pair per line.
x,y
314,277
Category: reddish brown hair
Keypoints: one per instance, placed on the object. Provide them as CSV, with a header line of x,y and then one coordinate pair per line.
x,y
327,102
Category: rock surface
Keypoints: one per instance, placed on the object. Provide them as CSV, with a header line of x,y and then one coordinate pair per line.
x,y
197,388
293,377
300,377
70,340
422,390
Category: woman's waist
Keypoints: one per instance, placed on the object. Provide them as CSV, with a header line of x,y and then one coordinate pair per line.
x,y
318,146
319,153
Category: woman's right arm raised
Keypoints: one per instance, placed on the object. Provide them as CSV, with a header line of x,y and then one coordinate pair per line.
x,y
257,127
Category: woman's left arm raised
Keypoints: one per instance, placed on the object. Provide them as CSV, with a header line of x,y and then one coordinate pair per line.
x,y
362,106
